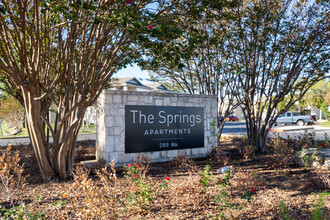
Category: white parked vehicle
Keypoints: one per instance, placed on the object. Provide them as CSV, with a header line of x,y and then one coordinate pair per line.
x,y
294,118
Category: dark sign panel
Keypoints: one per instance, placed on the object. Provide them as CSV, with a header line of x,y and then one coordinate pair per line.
x,y
157,128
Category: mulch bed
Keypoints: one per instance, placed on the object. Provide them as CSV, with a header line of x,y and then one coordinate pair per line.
x,y
184,197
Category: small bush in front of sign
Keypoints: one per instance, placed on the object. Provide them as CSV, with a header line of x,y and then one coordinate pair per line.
x,y
130,171
225,181
140,193
224,197
164,183
20,212
206,175
248,195
225,200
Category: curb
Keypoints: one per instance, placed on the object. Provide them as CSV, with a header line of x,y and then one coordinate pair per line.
x,y
292,129
5,138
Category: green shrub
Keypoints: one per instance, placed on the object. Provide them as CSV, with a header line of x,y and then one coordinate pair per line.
x,y
206,175
318,212
13,113
20,212
284,213
324,109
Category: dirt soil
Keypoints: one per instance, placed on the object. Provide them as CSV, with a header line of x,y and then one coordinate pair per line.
x,y
181,196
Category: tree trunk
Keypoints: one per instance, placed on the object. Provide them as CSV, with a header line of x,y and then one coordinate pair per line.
x,y
257,136
60,162
37,132
220,128
66,152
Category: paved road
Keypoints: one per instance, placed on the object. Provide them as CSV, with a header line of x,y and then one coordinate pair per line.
x,y
26,140
234,128
295,131
239,128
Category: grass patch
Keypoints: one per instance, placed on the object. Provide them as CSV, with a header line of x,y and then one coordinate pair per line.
x,y
25,133
5,128
90,130
326,124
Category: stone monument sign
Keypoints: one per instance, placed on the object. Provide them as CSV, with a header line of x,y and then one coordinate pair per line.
x,y
154,124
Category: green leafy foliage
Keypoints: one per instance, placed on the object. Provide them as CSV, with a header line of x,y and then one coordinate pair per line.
x,y
225,181
206,175
318,211
327,98
225,199
19,212
213,138
284,212
315,96
140,192
248,195
308,161
13,113
325,110
284,103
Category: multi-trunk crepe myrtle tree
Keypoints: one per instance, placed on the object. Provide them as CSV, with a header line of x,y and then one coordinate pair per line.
x,y
262,51
60,54
277,49
196,62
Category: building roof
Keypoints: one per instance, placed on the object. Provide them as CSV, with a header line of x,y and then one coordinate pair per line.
x,y
129,81
157,86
